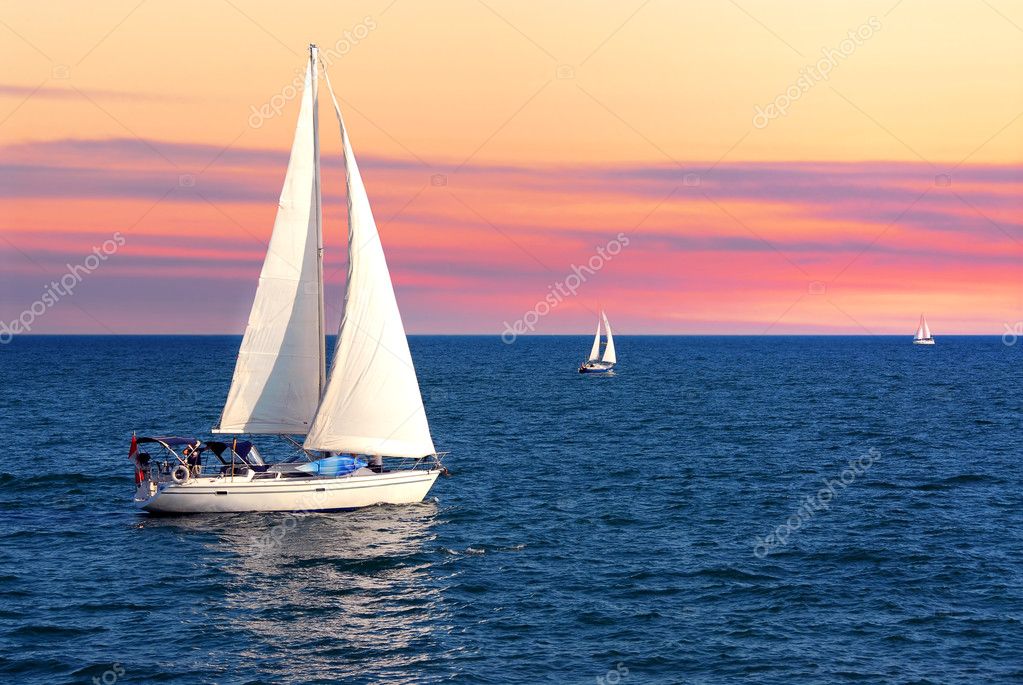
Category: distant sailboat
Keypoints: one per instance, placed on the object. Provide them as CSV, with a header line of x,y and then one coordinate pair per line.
x,y
367,409
923,333
596,363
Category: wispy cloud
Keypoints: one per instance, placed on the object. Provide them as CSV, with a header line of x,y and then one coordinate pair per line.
x,y
738,245
61,93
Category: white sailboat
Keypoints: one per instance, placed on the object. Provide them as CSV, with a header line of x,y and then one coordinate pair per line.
x,y
923,333
597,363
366,436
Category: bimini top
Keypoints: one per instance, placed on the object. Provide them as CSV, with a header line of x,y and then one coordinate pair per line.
x,y
241,447
171,441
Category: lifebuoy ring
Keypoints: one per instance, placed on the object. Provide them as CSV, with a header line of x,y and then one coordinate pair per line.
x,y
180,474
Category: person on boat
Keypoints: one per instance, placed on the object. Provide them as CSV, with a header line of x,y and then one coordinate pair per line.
x,y
193,458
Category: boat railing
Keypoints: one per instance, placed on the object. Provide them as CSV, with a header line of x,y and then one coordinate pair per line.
x,y
414,463
163,470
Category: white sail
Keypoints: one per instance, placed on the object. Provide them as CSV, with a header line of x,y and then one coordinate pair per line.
x,y
609,350
277,377
372,403
922,331
595,350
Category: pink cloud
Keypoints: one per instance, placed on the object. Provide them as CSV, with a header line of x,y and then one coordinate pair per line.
x,y
483,244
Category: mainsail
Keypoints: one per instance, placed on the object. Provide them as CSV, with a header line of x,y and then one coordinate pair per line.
x,y
372,404
278,375
609,350
595,350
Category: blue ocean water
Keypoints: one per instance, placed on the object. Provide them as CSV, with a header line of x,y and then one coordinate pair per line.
x,y
596,529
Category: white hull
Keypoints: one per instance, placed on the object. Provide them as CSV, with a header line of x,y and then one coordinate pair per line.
x,y
596,367
928,341
243,493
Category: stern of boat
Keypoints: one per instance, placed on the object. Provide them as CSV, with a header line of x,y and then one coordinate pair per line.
x,y
145,493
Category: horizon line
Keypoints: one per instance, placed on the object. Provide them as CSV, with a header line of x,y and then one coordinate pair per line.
x,y
531,335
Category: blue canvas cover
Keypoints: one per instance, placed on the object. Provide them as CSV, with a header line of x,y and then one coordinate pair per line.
x,y
333,466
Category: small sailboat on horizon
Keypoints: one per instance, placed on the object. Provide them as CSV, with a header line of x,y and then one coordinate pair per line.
x,y
597,363
358,435
923,333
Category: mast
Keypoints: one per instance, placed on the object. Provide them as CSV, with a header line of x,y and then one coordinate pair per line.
x,y
318,202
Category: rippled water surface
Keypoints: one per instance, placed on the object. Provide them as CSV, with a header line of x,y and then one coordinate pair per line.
x,y
596,530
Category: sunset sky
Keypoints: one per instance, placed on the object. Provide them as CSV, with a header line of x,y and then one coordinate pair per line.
x,y
503,142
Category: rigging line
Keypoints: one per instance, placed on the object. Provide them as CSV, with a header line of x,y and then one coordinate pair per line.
x,y
309,453
344,137
333,98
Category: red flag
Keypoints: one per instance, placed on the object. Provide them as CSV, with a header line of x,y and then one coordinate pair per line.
x,y
134,446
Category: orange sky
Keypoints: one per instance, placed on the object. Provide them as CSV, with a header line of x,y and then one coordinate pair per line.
x,y
502,143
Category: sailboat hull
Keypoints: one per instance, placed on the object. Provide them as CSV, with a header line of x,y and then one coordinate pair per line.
x,y
596,367
927,341
243,493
